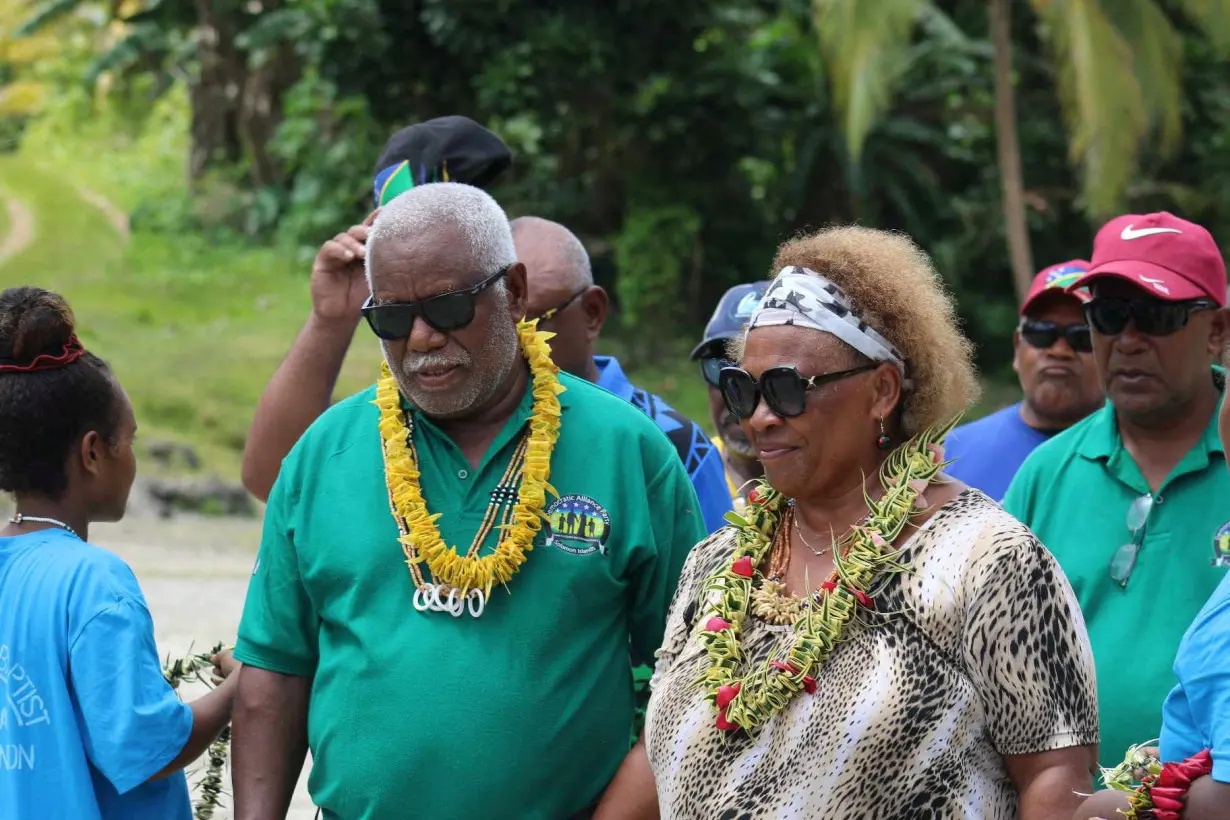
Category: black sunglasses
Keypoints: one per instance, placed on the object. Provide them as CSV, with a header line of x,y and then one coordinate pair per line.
x,y
1042,334
548,315
448,311
1109,315
783,388
711,369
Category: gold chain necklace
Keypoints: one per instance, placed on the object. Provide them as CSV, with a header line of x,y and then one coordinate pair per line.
x,y
460,583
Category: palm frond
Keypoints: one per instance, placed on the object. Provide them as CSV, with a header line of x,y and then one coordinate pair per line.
x,y
46,14
1157,58
1100,94
864,45
1212,17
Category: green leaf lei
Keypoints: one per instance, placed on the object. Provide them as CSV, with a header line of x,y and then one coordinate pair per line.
x,y
747,700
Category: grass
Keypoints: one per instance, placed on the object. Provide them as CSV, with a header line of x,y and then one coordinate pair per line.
x,y
195,330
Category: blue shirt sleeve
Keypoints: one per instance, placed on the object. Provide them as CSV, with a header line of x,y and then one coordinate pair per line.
x,y
1197,712
709,481
131,720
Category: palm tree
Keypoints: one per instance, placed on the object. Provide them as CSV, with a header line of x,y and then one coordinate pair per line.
x,y
1117,66
1008,150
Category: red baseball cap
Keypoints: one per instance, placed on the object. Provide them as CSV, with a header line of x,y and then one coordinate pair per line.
x,y
1171,258
1055,281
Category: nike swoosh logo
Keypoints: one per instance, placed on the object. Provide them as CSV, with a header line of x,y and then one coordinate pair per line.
x,y
1130,234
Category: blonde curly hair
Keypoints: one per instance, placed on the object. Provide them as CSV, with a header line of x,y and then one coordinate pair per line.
x,y
895,289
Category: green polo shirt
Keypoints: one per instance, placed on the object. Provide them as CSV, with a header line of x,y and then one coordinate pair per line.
x,y
1074,492
524,712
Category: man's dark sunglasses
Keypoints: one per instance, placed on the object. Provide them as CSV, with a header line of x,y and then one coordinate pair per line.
x,y
448,311
1109,315
548,315
711,369
783,388
1042,334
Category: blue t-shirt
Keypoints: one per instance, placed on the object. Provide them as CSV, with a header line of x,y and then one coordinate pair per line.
x,y
986,453
1196,715
702,459
88,717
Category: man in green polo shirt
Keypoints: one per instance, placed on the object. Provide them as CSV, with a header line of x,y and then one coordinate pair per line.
x,y
1133,499
418,693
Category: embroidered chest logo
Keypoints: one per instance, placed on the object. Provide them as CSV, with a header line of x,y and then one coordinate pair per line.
x,y
578,524
1221,546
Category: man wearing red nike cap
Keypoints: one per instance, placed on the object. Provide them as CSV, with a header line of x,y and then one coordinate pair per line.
x,y
1131,500
1053,358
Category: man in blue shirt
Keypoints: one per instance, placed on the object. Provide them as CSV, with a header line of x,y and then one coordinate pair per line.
x,y
727,323
565,300
1053,358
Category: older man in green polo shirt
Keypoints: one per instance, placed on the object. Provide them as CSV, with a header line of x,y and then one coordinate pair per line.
x,y
1133,500
487,680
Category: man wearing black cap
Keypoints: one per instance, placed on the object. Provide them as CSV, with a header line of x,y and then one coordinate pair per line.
x,y
445,149
738,455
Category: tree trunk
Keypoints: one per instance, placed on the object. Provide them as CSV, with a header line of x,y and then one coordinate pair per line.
x,y
215,92
1009,150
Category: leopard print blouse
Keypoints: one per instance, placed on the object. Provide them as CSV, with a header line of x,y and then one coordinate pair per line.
x,y
980,651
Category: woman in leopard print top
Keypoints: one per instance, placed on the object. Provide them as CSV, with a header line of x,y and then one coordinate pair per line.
x,y
965,686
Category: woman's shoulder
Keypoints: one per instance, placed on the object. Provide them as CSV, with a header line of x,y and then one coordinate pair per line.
x,y
705,558
973,542
973,526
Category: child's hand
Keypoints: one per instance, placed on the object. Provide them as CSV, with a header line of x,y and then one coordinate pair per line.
x,y
224,665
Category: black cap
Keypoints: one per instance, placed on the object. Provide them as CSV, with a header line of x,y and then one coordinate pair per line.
x,y
732,313
453,146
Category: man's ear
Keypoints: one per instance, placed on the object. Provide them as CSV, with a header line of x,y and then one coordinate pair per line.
x,y
595,303
1016,351
515,284
1218,332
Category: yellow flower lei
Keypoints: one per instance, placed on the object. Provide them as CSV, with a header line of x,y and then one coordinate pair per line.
x,y
422,541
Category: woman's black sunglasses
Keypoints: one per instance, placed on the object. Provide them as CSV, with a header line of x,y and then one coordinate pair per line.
x,y
1109,315
783,388
448,311
1043,334
711,369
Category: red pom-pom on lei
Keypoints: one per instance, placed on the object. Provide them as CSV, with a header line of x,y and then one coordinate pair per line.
x,y
743,567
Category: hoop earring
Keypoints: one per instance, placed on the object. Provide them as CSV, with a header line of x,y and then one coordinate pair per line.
x,y
883,441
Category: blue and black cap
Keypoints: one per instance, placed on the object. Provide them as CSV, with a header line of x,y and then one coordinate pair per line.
x,y
731,316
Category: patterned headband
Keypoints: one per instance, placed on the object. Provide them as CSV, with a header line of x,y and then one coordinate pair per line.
x,y
802,297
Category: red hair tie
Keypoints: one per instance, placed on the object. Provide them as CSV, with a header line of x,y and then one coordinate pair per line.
x,y
71,352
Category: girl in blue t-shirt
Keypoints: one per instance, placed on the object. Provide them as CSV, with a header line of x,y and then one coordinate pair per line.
x,y
89,728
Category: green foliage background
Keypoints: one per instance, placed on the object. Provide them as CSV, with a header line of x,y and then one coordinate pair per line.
x,y
682,142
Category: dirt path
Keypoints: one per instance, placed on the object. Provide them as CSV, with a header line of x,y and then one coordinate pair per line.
x,y
194,572
21,229
117,218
